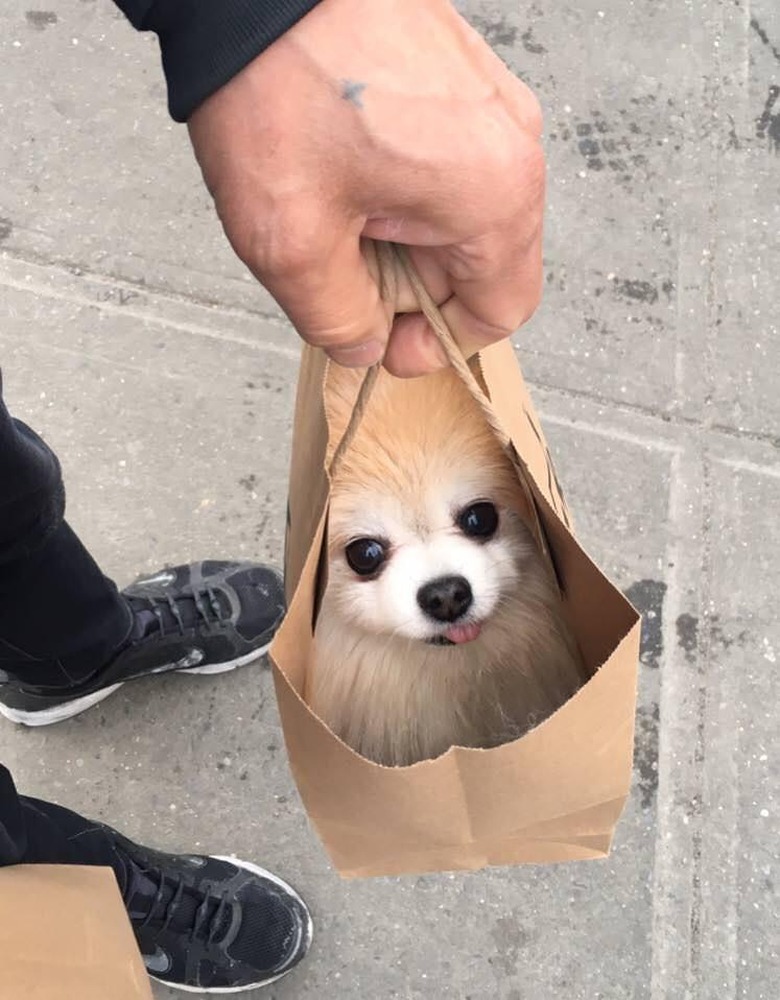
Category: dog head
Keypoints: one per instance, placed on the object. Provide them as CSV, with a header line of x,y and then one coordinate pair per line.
x,y
427,532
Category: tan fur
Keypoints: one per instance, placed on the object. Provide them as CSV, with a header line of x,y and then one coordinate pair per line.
x,y
397,700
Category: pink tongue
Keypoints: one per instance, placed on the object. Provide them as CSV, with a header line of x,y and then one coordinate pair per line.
x,y
463,633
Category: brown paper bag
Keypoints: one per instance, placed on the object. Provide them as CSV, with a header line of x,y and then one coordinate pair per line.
x,y
556,793
64,935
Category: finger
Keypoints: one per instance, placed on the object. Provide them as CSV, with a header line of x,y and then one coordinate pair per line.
x,y
490,310
414,228
413,348
404,297
496,288
319,276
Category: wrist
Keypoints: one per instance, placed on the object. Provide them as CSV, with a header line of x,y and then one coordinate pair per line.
x,y
205,43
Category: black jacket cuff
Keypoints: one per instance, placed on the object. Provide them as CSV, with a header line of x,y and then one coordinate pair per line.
x,y
204,43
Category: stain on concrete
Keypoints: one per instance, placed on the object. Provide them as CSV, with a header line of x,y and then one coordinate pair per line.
x,y
594,324
117,294
761,32
734,142
248,482
646,753
498,32
590,148
647,596
270,384
688,635
635,288
530,44
509,938
690,629
723,634
596,315
6,228
615,146
768,122
40,19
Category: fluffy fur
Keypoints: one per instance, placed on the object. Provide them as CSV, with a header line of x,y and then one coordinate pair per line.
x,y
378,683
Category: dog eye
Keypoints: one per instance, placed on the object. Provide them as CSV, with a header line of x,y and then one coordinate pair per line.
x,y
365,556
479,520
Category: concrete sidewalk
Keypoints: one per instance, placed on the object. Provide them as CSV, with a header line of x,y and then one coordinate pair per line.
x,y
163,376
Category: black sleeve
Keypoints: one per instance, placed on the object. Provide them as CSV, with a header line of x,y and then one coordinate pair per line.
x,y
206,42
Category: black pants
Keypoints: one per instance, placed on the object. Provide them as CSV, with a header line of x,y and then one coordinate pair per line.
x,y
37,832
60,621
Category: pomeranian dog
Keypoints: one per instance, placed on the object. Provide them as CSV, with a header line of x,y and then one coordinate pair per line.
x,y
441,623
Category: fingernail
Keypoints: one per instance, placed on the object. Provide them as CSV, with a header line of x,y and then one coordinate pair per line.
x,y
360,356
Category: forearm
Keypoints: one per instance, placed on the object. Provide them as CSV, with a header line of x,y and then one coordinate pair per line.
x,y
204,43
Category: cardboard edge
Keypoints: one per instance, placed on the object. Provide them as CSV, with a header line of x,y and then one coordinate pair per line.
x,y
104,916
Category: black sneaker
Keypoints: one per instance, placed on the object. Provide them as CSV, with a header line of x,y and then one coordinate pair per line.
x,y
210,924
204,618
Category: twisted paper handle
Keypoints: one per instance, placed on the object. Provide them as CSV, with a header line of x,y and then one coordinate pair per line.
x,y
387,255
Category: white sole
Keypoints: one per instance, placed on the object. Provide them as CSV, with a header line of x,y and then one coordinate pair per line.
x,y
307,934
222,668
59,713
69,709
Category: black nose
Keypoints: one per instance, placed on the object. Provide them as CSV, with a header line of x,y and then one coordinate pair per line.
x,y
446,598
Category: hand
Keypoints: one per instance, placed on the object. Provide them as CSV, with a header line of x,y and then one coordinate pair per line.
x,y
388,120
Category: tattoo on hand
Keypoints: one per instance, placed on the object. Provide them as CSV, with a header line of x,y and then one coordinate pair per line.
x,y
352,91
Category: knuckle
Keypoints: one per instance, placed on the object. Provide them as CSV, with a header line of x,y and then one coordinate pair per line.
x,y
339,333
284,255
517,173
284,248
529,166
473,261
526,108
342,328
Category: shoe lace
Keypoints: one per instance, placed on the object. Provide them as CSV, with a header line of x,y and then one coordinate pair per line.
x,y
212,923
205,602
207,920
